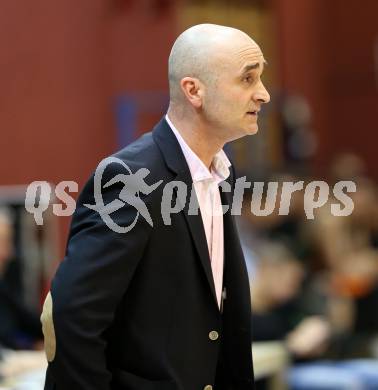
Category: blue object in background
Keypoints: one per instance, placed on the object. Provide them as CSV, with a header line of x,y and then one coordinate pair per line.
x,y
359,374
129,106
126,119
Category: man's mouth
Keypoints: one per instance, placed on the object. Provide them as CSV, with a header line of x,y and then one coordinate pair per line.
x,y
252,113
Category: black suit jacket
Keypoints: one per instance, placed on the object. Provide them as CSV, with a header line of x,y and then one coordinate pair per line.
x,y
134,311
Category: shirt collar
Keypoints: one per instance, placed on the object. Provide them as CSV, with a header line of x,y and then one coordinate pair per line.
x,y
219,167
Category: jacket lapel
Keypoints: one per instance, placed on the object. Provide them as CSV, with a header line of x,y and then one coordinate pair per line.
x,y
176,162
237,309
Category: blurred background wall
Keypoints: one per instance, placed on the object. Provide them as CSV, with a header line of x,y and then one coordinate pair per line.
x,y
328,52
62,66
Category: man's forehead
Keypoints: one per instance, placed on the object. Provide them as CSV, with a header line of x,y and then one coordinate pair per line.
x,y
240,54
249,55
235,54
256,64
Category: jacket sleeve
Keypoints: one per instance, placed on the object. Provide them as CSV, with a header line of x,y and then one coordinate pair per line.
x,y
87,288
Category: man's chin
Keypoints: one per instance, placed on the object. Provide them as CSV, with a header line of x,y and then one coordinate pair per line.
x,y
252,129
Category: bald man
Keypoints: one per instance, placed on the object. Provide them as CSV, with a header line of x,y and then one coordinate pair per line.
x,y
165,306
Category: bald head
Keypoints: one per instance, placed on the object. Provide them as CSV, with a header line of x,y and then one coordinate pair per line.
x,y
200,52
216,90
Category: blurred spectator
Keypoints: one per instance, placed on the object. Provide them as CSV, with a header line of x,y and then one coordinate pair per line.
x,y
347,248
347,166
276,310
299,139
19,328
337,256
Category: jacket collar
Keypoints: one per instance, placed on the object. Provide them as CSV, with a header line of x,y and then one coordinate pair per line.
x,y
170,148
176,162
220,168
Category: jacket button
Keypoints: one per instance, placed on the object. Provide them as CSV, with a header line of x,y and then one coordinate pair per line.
x,y
208,387
213,335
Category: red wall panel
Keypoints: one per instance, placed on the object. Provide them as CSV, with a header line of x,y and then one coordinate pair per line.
x,y
61,65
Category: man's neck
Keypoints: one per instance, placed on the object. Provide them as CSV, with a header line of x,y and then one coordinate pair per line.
x,y
194,134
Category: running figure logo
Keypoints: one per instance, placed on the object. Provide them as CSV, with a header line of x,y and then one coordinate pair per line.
x,y
133,184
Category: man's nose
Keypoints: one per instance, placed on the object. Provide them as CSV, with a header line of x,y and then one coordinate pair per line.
x,y
262,94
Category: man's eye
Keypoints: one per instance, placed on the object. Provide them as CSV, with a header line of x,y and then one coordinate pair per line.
x,y
248,79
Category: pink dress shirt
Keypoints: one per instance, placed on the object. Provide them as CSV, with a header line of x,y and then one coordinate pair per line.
x,y
206,185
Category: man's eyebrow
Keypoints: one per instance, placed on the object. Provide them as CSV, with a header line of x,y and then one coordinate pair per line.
x,y
254,66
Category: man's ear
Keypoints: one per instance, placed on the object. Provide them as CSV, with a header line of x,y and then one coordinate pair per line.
x,y
193,90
